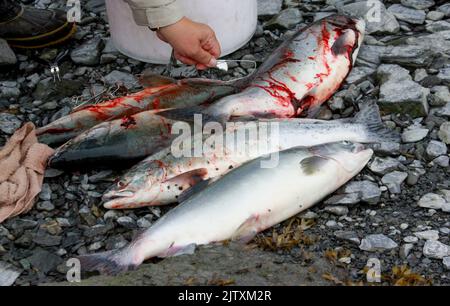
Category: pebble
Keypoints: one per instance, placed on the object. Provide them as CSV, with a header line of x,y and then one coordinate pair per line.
x,y
269,7
7,56
377,242
285,20
446,262
435,15
414,134
410,239
126,221
440,96
405,249
45,206
118,77
350,236
428,235
410,15
436,148
432,200
444,132
435,249
418,4
337,210
393,181
88,53
442,161
9,123
384,165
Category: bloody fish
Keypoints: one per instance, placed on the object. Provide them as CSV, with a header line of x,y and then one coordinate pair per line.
x,y
297,78
162,93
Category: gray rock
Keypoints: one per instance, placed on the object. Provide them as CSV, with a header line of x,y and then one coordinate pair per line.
x,y
444,75
45,206
337,210
183,72
435,249
46,193
407,14
7,56
7,92
348,236
418,4
88,53
143,223
384,165
410,239
119,77
45,239
442,161
269,7
8,274
344,199
126,221
405,250
377,242
44,261
370,56
440,96
9,123
286,19
86,214
445,8
436,148
420,74
438,26
435,15
414,134
386,24
446,262
444,132
359,74
393,181
408,55
428,235
367,191
432,200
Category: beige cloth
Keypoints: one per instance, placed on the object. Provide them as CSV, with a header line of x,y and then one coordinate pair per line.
x,y
22,164
155,13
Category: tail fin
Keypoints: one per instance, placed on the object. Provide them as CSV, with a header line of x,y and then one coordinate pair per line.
x,y
370,116
106,263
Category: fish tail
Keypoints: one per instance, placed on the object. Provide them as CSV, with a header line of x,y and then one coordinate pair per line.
x,y
377,132
110,262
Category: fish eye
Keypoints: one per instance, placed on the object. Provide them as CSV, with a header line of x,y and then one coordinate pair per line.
x,y
120,184
346,143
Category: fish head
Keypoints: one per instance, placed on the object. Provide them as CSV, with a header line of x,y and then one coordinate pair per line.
x,y
351,156
134,189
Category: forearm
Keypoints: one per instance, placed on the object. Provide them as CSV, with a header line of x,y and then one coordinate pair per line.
x,y
155,13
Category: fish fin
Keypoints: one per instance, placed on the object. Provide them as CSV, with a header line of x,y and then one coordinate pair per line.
x,y
340,46
150,79
194,189
177,251
187,114
369,115
313,164
246,231
105,263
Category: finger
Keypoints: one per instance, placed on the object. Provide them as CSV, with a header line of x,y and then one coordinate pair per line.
x,y
204,57
212,45
201,67
184,59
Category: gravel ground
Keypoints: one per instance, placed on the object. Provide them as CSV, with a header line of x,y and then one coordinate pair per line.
x,y
396,212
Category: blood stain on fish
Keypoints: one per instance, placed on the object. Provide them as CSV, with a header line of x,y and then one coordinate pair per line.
x,y
128,122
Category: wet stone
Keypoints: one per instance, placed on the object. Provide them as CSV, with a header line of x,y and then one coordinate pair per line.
x,y
286,19
435,249
44,261
440,96
414,134
442,161
337,210
409,15
418,4
432,200
9,123
88,53
377,242
367,191
446,262
428,235
436,148
384,165
393,181
45,239
269,7
8,274
347,236
7,56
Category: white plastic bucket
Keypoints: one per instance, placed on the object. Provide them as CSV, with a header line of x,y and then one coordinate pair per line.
x,y
234,22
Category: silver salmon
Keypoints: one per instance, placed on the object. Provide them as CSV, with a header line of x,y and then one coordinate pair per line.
x,y
163,178
244,202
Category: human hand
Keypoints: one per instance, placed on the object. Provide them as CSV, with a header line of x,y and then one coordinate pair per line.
x,y
193,43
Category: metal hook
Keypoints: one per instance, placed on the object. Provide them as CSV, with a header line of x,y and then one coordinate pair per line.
x,y
54,68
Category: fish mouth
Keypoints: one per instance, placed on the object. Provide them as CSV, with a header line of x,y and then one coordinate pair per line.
x,y
112,195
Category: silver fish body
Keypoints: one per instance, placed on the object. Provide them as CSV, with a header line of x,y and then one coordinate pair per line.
x,y
244,202
163,178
